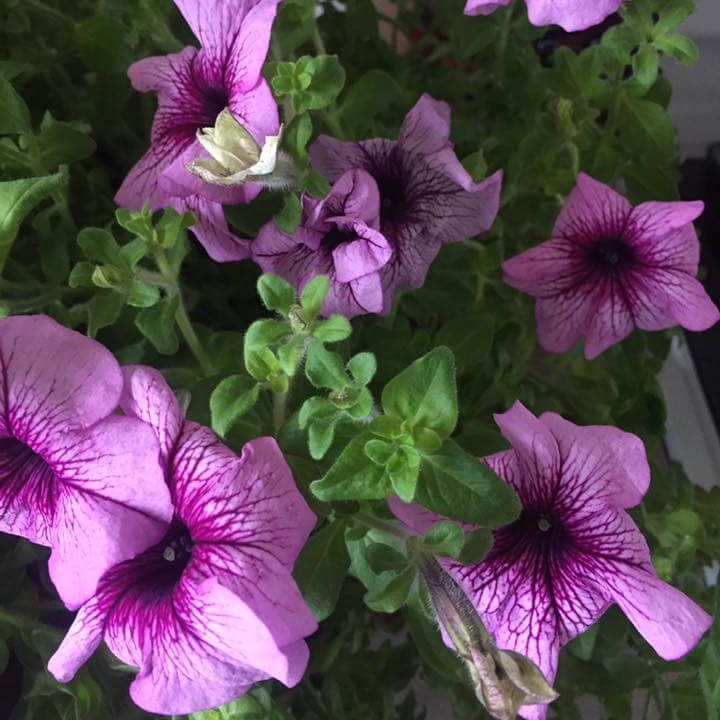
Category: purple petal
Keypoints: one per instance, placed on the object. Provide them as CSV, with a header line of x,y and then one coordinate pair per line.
x,y
561,320
612,319
332,157
113,503
599,462
147,396
179,98
234,35
367,254
366,292
211,228
537,452
354,195
571,15
426,128
484,7
592,210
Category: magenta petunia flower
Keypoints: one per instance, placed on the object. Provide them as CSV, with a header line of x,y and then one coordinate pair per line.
x,y
610,267
337,237
73,476
212,608
571,15
573,551
427,198
194,87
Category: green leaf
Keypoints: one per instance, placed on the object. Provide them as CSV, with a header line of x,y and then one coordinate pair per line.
x,y
461,487
392,597
313,294
383,558
230,400
424,394
277,294
61,143
682,48
334,329
403,474
325,369
102,311
327,78
15,116
290,354
477,546
157,324
289,217
370,95
321,568
646,128
321,434
103,45
445,538
99,245
297,136
143,295
263,333
646,65
353,476
17,199
362,367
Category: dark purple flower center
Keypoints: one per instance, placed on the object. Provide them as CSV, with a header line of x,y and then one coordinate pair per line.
x,y
26,478
177,546
540,529
336,237
612,254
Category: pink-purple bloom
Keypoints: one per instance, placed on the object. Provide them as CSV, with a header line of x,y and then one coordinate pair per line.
x,y
574,550
427,198
194,87
73,476
571,15
610,267
337,237
211,608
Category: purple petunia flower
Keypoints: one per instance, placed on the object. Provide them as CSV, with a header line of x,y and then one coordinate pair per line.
x,y
571,15
427,198
337,237
573,551
212,608
73,476
194,87
610,267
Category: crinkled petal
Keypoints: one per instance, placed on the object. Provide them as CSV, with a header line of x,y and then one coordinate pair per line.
x,y
537,452
211,228
599,462
591,211
56,381
331,157
484,7
148,397
368,253
354,195
179,98
571,15
112,503
234,35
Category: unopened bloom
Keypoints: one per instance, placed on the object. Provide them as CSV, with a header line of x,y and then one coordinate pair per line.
x,y
338,237
426,196
212,608
574,550
610,267
571,15
73,476
195,87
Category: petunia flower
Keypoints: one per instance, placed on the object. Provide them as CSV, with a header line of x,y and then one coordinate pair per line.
x,y
574,550
570,15
427,198
212,608
338,237
610,267
73,476
195,87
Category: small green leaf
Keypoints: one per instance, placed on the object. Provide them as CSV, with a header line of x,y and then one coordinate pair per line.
x,y
353,476
313,294
321,568
103,310
157,324
99,245
379,451
289,217
403,475
290,354
334,329
682,48
362,367
392,597
325,369
320,437
477,546
230,400
646,128
277,294
424,394
460,487
143,295
445,538
383,558
297,136
15,116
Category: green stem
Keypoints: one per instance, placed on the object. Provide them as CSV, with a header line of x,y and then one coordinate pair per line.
x,y
280,401
181,316
382,525
318,41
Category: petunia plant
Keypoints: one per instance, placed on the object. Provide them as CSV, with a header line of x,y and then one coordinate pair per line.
x,y
330,344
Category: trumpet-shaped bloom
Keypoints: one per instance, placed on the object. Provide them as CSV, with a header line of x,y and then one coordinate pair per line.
x,y
337,237
73,476
212,608
426,196
571,15
194,87
610,267
574,550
